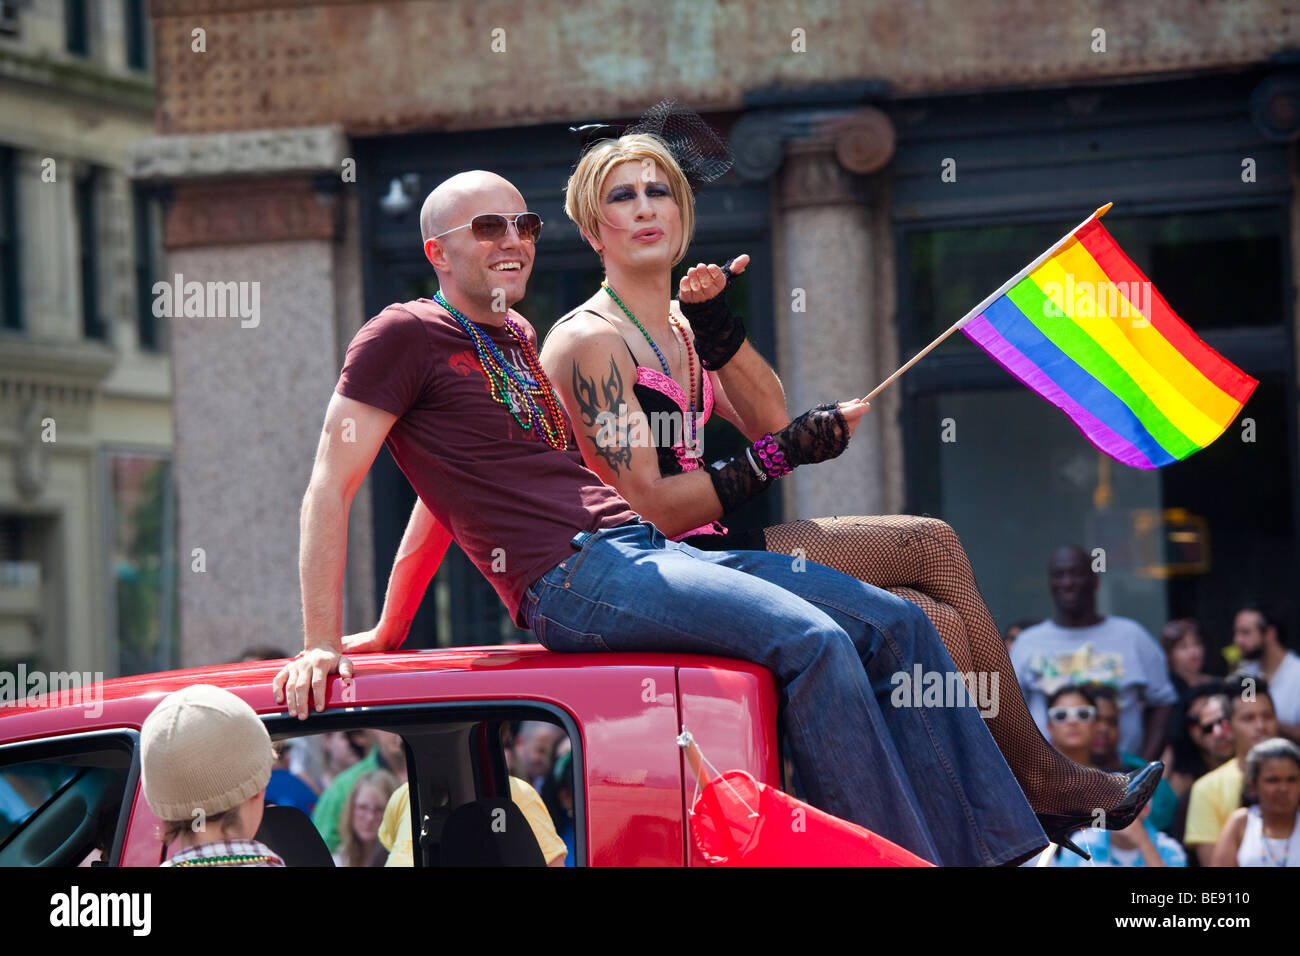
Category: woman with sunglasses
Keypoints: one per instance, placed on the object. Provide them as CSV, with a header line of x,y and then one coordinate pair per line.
x,y
1071,722
630,358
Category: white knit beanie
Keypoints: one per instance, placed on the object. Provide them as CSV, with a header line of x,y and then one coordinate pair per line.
x,y
203,748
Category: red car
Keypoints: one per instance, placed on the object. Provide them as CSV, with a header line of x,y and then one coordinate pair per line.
x,y
70,773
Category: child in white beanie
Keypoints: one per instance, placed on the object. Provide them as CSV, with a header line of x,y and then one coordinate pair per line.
x,y
206,760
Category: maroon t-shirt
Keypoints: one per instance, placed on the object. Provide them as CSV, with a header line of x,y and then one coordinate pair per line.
x,y
511,501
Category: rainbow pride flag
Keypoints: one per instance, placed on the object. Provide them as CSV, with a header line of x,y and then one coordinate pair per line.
x,y
1090,333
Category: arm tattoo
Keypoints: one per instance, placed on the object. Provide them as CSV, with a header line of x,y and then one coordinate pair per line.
x,y
599,406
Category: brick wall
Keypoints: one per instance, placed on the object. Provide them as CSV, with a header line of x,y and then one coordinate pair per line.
x,y
394,66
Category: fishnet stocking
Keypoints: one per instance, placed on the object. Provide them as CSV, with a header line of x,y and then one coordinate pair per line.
x,y
923,561
945,619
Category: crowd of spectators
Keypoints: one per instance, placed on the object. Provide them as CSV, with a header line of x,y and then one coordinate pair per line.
x,y
354,786
1108,694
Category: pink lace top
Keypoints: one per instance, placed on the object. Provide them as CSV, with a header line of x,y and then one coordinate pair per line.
x,y
657,381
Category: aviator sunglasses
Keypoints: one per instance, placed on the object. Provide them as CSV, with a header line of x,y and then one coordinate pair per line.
x,y
491,226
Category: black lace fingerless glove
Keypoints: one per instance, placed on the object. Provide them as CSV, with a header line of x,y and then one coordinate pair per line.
x,y
719,333
819,434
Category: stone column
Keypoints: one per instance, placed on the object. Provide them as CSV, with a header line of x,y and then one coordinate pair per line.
x,y
265,217
48,226
834,307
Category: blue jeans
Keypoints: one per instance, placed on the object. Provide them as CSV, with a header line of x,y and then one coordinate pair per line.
x,y
930,779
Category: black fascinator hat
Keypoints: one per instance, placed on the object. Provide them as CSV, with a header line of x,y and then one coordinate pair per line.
x,y
700,152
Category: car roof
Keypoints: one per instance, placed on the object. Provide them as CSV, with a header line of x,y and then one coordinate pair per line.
x,y
126,701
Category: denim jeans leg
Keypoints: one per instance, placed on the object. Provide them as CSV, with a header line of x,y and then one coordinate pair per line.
x,y
971,801
629,590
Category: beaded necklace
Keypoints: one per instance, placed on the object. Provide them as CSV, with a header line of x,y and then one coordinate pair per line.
x,y
512,389
226,860
1267,856
1266,852
690,353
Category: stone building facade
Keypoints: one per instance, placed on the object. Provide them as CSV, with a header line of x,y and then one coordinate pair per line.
x,y
85,380
894,163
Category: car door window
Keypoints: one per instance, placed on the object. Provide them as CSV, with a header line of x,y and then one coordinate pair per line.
x,y
432,786
61,803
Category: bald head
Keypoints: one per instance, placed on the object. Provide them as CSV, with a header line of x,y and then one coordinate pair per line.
x,y
1073,584
457,200
485,276
1069,556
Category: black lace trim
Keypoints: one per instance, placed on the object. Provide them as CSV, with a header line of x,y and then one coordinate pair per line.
x,y
819,434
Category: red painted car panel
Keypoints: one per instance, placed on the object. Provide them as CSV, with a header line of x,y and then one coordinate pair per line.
x,y
628,709
732,713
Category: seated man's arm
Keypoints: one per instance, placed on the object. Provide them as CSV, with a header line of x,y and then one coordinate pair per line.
x,y
424,544
341,465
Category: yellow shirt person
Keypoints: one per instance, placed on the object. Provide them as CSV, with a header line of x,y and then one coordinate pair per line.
x,y
1214,797
395,830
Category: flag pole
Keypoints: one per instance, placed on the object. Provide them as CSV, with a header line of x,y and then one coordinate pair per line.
x,y
694,758
1097,214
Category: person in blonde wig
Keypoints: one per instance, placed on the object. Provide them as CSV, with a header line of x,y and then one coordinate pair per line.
x,y
582,199
665,365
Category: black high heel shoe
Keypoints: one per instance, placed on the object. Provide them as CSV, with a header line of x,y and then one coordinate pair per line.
x,y
1141,785
1058,828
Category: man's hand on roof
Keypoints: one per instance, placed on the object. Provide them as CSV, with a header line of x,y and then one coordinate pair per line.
x,y
304,679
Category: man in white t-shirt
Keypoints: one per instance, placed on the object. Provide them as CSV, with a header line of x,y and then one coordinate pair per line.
x,y
1079,646
1258,636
